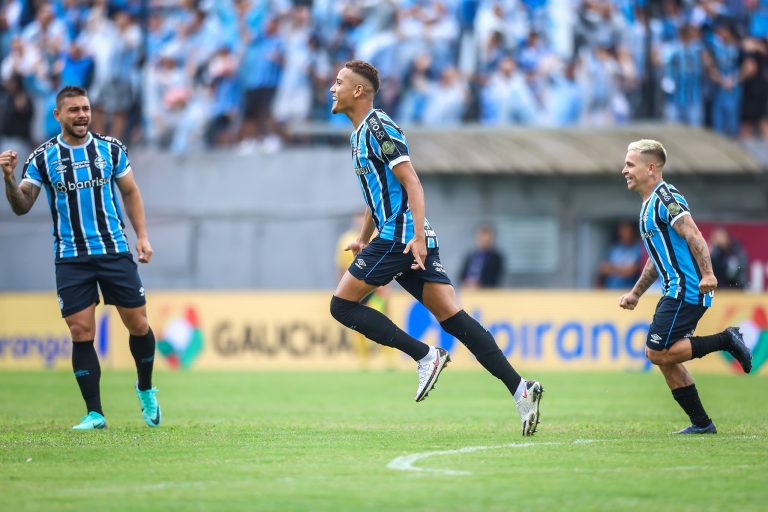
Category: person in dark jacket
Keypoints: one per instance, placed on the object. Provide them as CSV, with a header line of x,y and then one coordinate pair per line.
x,y
729,260
483,266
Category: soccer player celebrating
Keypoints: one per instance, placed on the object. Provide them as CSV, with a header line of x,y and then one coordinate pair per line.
x,y
79,170
678,252
405,249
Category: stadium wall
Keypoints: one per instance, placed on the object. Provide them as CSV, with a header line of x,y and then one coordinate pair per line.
x,y
538,330
223,221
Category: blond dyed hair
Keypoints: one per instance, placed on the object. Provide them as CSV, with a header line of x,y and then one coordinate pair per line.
x,y
650,147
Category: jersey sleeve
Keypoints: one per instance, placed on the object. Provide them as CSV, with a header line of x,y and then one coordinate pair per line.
x,y
388,141
31,174
123,164
674,206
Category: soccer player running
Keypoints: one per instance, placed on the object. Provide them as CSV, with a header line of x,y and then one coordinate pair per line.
x,y
405,249
79,171
678,252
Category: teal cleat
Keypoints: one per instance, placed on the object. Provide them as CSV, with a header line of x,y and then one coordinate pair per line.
x,y
91,421
150,409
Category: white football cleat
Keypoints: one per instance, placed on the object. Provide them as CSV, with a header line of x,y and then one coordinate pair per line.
x,y
528,406
429,372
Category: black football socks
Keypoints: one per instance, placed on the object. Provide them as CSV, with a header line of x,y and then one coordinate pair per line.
x,y
482,345
703,345
688,398
85,364
376,327
143,352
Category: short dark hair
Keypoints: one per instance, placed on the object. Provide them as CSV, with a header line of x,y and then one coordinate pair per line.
x,y
70,91
365,70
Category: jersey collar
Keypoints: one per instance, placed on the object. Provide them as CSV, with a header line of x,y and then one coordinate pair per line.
x,y
61,141
363,123
659,184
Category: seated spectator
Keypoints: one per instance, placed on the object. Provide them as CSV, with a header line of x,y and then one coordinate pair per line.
x,y
729,260
483,265
622,267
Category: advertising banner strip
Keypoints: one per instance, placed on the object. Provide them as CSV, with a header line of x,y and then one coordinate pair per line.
x,y
537,330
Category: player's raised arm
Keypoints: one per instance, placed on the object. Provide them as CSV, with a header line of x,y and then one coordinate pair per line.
x,y
22,196
134,206
687,228
407,177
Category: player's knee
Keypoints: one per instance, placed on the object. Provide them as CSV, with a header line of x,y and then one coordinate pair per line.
x,y
341,309
81,331
137,325
654,356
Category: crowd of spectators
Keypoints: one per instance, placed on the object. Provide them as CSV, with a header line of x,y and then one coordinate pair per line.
x,y
182,73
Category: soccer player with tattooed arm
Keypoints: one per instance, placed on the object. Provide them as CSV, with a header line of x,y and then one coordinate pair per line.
x,y
80,171
679,255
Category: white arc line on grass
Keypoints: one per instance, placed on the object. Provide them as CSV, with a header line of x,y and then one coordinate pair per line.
x,y
406,462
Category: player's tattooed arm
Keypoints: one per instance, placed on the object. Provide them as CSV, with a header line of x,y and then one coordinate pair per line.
x,y
20,197
647,278
687,229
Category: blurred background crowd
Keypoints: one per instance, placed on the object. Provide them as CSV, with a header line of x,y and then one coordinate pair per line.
x,y
177,74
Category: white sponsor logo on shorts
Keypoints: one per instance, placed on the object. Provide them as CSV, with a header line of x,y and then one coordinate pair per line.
x,y
141,291
360,263
61,303
438,266
655,338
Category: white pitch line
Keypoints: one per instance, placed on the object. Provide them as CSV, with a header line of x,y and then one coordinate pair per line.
x,y
406,462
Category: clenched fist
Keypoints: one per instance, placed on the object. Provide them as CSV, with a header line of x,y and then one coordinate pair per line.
x,y
8,161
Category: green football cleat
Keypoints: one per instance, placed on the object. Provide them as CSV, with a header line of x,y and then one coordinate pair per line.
x,y
150,409
91,421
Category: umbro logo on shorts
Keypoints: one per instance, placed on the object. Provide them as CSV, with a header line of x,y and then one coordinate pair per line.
x,y
360,263
655,338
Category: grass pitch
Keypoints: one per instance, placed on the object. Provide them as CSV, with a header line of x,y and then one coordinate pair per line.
x,y
326,441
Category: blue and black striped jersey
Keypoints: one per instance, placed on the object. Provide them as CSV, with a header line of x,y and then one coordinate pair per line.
x,y
669,251
80,184
378,145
